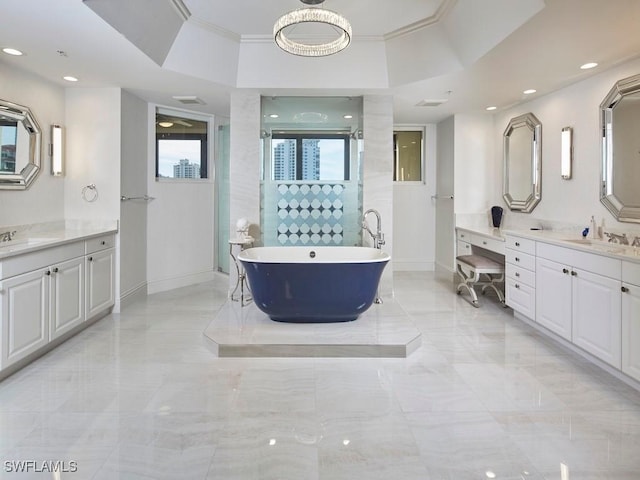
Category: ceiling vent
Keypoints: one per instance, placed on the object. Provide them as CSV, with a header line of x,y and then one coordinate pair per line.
x,y
189,100
431,103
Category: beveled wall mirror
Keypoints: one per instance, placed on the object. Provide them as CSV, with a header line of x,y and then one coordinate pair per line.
x,y
522,180
20,146
619,120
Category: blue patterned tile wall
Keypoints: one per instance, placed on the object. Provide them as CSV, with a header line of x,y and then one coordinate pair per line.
x,y
310,214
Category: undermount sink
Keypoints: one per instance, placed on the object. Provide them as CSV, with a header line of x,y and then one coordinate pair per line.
x,y
599,245
23,242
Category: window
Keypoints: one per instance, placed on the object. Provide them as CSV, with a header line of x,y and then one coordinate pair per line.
x,y
407,156
310,156
8,142
181,145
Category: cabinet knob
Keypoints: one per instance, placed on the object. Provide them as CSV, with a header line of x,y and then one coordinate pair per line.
x,y
48,272
624,289
517,274
517,286
484,243
90,259
103,242
517,244
565,270
55,270
517,259
574,273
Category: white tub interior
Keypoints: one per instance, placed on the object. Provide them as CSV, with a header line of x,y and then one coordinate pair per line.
x,y
313,255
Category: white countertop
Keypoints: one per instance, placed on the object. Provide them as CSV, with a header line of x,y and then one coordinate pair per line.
x,y
31,238
564,239
490,232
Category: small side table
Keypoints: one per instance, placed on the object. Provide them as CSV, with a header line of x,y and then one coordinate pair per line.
x,y
241,279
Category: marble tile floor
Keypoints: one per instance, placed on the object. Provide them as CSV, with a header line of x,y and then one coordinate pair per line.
x,y
139,395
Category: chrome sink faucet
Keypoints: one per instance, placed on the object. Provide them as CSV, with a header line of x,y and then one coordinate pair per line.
x,y
7,236
615,238
378,237
636,242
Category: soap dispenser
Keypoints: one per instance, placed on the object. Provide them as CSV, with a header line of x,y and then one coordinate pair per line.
x,y
593,227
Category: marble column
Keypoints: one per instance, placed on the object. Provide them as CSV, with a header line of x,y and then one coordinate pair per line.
x,y
377,172
244,165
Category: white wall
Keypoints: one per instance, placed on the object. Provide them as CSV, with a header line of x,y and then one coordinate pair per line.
x,y
180,228
474,157
414,215
133,214
572,201
93,134
44,200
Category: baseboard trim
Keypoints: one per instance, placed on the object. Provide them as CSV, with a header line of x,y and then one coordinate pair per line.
x,y
157,286
133,295
411,266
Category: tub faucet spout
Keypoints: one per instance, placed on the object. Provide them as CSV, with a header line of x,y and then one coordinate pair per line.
x,y
378,237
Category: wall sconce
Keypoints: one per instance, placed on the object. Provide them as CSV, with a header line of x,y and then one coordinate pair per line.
x,y
57,150
566,153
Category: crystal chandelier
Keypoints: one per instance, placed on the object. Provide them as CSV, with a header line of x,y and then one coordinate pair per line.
x,y
312,15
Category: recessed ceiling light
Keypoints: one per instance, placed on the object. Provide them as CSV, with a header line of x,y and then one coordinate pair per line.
x,y
589,65
274,115
491,108
530,91
12,51
165,124
69,78
347,116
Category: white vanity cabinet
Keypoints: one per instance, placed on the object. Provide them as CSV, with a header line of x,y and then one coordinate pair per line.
x,y
24,306
553,307
66,296
631,319
50,292
520,271
581,304
463,242
100,278
41,297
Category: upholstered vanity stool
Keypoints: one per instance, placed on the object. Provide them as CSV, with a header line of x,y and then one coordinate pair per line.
x,y
479,265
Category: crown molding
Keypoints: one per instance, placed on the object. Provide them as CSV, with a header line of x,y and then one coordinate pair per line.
x,y
444,8
181,8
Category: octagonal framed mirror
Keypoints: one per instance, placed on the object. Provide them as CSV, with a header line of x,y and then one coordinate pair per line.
x,y
20,146
522,176
620,167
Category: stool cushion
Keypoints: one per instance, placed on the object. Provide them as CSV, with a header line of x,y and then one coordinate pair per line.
x,y
478,261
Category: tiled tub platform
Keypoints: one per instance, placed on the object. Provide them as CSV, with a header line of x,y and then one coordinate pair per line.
x,y
384,331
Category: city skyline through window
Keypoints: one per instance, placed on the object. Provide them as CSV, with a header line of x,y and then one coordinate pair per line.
x,y
172,153
307,157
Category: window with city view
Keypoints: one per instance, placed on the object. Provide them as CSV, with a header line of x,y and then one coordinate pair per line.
x,y
310,156
181,146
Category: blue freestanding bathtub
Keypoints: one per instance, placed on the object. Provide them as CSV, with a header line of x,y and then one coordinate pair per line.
x,y
313,284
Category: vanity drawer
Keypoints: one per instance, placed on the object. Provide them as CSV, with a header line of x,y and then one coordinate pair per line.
x,y
487,243
520,259
100,243
463,235
520,274
521,244
463,248
521,297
